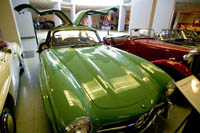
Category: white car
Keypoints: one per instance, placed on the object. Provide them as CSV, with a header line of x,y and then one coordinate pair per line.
x,y
10,66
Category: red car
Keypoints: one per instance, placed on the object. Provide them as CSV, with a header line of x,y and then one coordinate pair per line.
x,y
179,62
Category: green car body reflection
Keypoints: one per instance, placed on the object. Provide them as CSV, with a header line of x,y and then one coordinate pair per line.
x,y
90,87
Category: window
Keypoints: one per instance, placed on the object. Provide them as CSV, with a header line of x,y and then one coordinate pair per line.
x,y
75,37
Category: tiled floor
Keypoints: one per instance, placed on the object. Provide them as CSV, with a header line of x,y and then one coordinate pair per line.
x,y
30,113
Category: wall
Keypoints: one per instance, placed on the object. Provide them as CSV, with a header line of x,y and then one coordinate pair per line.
x,y
1,37
8,27
187,18
50,16
97,2
47,17
187,21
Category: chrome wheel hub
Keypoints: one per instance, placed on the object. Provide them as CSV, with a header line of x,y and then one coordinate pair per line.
x,y
8,123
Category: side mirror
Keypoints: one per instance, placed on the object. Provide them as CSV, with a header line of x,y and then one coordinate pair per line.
x,y
42,47
130,41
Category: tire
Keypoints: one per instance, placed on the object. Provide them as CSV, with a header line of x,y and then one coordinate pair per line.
x,y
21,71
7,121
21,66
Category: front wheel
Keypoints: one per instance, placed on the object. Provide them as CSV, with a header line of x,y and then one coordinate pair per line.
x,y
7,123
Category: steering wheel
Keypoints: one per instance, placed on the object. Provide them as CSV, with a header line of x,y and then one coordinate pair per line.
x,y
42,47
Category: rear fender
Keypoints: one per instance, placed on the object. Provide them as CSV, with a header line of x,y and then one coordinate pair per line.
x,y
174,65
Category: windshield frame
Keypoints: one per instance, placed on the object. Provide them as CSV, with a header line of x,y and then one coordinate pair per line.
x,y
193,34
169,32
151,30
53,37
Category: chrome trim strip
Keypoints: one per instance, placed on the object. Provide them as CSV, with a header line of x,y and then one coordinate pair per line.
x,y
115,128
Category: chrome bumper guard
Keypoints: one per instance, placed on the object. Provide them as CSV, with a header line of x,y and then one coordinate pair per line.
x,y
138,124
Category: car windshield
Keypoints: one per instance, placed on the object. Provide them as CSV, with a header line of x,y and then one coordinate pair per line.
x,y
142,33
170,35
75,38
190,34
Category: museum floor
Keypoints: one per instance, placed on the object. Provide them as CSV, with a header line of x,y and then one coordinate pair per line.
x,y
30,114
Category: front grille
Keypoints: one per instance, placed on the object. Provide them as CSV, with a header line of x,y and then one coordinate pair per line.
x,y
195,68
136,124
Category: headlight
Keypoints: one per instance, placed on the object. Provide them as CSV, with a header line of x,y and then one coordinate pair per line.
x,y
170,88
190,56
80,125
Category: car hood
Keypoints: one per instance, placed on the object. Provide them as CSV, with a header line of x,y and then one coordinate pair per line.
x,y
109,78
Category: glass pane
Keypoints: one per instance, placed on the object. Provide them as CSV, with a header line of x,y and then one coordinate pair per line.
x,y
143,33
170,35
74,37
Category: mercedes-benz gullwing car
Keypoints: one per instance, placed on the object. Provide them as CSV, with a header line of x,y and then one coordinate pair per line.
x,y
179,62
187,38
90,87
9,84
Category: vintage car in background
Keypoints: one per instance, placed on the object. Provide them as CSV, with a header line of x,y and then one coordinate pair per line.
x,y
187,38
10,65
46,25
90,87
179,62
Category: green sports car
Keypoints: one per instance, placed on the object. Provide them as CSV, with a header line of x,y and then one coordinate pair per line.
x,y
90,87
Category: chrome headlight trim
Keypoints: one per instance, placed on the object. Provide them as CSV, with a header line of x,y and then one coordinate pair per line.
x,y
171,86
194,51
190,56
79,122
